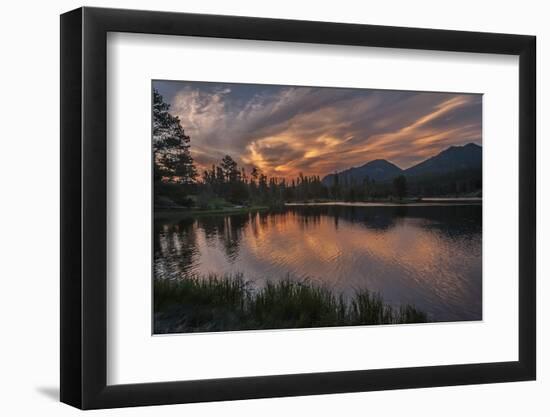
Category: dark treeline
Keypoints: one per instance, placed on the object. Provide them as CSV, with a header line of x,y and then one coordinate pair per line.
x,y
233,183
229,182
456,183
177,181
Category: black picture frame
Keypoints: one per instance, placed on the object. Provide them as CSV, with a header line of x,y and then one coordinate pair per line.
x,y
84,207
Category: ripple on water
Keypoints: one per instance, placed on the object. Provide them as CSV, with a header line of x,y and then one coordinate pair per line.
x,y
429,256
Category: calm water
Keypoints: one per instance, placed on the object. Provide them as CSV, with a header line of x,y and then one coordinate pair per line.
x,y
425,255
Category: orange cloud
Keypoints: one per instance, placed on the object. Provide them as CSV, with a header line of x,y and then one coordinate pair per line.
x,y
316,131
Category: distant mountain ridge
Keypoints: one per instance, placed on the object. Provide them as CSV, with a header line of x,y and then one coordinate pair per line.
x,y
466,158
378,170
455,158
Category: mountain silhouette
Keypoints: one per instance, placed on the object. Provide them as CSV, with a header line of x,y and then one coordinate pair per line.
x,y
378,170
453,159
452,162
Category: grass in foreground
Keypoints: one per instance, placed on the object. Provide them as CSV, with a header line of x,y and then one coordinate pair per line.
x,y
213,303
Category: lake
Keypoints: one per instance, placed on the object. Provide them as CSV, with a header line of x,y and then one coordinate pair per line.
x,y
428,255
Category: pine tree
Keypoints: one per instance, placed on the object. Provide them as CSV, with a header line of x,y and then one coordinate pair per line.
x,y
230,169
400,186
172,158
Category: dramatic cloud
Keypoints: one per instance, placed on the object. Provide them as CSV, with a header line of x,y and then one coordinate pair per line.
x,y
285,130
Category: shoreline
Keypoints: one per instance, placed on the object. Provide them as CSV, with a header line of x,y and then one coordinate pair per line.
x,y
159,211
425,202
411,203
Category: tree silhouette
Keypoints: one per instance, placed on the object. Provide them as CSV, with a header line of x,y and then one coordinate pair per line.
x,y
400,186
230,169
172,159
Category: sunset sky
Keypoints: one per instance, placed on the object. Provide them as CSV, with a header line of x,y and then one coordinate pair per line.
x,y
285,130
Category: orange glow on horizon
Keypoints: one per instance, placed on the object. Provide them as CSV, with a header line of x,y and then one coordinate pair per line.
x,y
284,131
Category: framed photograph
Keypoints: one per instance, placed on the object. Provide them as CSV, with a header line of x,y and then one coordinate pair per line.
x,y
257,208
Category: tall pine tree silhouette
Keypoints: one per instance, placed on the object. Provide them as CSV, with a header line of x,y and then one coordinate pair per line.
x,y
172,160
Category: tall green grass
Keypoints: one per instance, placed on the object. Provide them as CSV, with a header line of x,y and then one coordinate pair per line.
x,y
215,303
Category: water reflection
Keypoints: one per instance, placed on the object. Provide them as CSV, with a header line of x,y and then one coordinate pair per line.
x,y
429,256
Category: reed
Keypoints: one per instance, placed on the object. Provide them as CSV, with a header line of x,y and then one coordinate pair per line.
x,y
225,303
